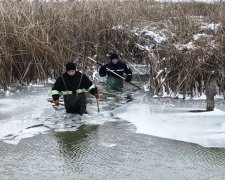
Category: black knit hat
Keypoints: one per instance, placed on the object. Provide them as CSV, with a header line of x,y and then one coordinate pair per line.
x,y
70,66
114,56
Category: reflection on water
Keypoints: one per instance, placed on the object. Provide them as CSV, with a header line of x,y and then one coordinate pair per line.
x,y
109,151
74,144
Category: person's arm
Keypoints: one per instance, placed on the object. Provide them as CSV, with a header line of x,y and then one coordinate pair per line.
x,y
89,85
128,73
56,89
102,71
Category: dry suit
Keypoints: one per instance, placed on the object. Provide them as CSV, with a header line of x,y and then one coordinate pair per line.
x,y
113,81
73,89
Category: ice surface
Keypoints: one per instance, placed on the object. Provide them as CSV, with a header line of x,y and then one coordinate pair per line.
x,y
174,122
31,114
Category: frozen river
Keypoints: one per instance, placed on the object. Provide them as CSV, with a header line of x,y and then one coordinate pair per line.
x,y
141,139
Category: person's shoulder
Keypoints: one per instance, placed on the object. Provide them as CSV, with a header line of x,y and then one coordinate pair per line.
x,y
121,62
78,73
64,74
107,64
61,76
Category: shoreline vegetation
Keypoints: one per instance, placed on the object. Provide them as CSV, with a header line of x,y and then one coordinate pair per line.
x,y
183,43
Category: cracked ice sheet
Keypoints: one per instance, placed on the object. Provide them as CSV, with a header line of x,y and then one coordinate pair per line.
x,y
204,128
30,114
18,114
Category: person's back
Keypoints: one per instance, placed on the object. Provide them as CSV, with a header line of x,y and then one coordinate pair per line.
x,y
115,70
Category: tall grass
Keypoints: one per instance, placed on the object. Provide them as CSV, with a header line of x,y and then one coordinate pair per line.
x,y
38,38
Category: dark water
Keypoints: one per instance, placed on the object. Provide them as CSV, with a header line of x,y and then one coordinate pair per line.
x,y
109,151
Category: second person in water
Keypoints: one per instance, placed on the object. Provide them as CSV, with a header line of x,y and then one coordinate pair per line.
x,y
114,68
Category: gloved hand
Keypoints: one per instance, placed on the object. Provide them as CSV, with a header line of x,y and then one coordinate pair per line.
x,y
102,71
56,103
97,96
128,78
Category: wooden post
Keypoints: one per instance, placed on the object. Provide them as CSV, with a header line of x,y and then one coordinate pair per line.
x,y
211,92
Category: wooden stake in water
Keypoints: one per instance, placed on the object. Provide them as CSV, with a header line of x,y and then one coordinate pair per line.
x,y
98,105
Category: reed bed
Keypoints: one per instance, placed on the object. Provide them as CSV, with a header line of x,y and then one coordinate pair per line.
x,y
39,37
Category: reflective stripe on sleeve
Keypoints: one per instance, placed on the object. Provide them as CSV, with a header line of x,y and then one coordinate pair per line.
x,y
66,92
54,92
120,70
81,91
71,92
91,87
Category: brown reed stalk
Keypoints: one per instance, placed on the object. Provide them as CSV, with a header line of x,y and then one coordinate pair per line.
x,y
45,35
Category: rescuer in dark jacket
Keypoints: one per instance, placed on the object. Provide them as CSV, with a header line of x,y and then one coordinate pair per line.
x,y
113,81
72,85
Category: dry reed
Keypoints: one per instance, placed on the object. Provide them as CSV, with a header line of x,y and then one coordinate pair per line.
x,y
38,38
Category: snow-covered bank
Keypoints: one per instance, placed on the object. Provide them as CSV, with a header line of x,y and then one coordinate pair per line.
x,y
175,121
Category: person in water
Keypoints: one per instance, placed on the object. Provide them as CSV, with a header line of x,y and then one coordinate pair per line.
x,y
117,66
72,85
